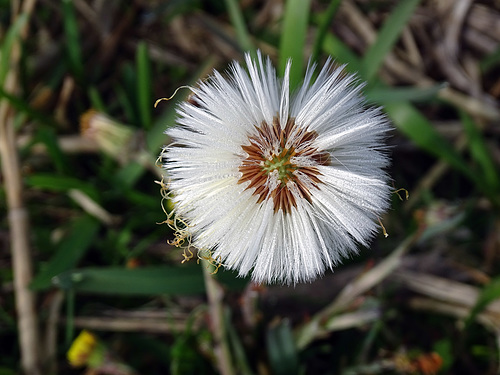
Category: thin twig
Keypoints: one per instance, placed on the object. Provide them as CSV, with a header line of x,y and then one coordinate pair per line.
x,y
125,324
318,325
18,217
51,332
221,342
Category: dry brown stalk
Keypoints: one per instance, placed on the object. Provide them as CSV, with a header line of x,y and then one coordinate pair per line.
x,y
215,295
17,216
321,322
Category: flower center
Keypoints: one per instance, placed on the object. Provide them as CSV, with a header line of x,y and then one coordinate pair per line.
x,y
281,164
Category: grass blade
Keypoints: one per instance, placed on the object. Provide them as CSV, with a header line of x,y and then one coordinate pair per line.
x,y
48,137
414,125
293,36
281,350
479,151
22,106
324,22
488,294
145,281
59,183
490,61
96,99
8,41
72,40
69,251
240,27
143,82
386,38
381,95
341,53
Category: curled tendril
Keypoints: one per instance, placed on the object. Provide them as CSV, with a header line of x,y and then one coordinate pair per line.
x,y
182,234
215,262
169,98
383,228
407,194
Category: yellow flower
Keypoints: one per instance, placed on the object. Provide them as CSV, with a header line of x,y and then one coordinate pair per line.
x,y
85,349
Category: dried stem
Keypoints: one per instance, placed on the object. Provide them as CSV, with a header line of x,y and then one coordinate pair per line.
x,y
18,218
215,296
318,325
51,332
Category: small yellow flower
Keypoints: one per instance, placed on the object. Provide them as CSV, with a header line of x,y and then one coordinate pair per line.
x,y
83,348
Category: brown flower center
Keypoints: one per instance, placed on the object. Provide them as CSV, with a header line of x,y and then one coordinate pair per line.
x,y
281,163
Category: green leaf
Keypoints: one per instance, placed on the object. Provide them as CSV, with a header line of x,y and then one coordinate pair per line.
x,y
69,251
341,53
293,36
60,183
96,99
381,95
324,22
72,39
21,106
490,61
184,280
240,27
387,36
231,279
129,174
481,154
7,371
12,35
144,98
415,126
281,350
444,348
240,357
48,137
489,293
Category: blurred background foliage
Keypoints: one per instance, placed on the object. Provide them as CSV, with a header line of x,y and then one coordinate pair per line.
x,y
78,80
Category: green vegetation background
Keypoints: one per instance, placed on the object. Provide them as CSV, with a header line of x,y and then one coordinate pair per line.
x,y
423,300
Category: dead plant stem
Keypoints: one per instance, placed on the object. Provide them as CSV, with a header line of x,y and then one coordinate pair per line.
x,y
18,218
216,308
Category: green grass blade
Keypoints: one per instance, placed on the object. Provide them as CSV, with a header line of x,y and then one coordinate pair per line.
x,y
416,127
386,38
69,251
126,105
325,21
240,27
6,46
143,82
281,350
96,99
490,61
72,39
293,36
57,183
145,281
240,357
481,154
382,95
48,137
489,293
129,174
341,53
23,107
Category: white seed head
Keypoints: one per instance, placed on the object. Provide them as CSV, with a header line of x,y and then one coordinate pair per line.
x,y
277,185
